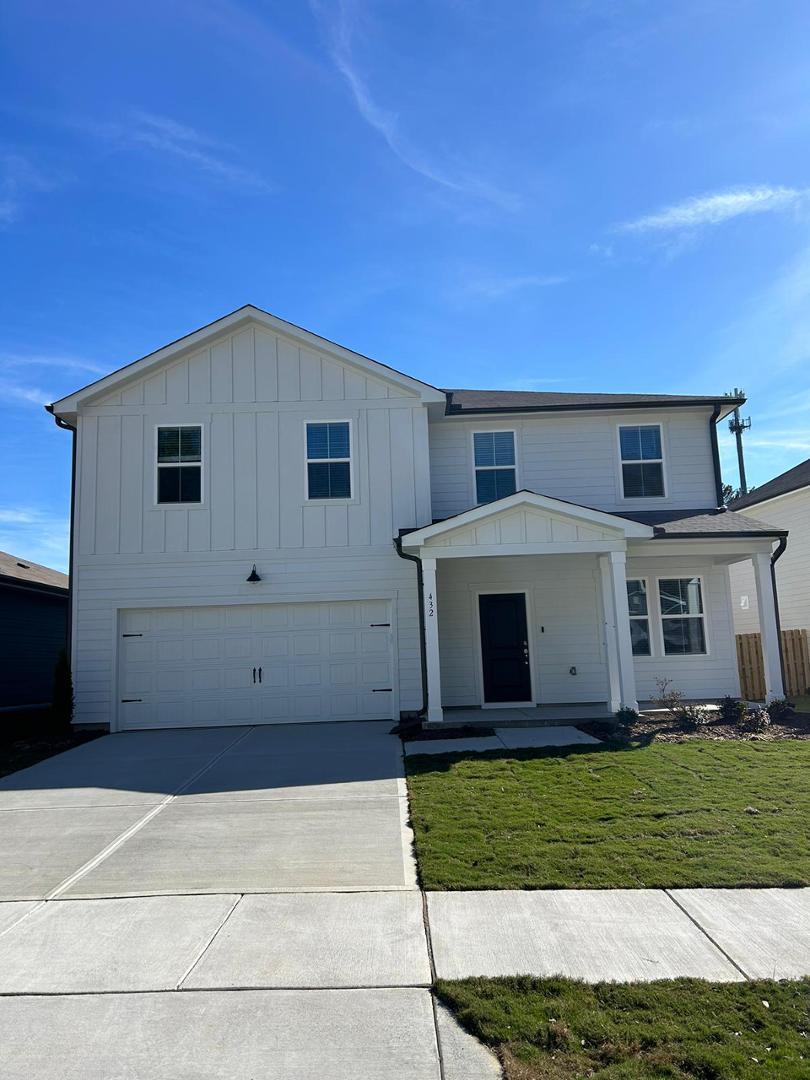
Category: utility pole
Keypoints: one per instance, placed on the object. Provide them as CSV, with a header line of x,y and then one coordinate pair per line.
x,y
737,426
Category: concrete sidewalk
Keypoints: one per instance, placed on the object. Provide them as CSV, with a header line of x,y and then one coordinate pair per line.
x,y
623,934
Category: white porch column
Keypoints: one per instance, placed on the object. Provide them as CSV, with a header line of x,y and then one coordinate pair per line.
x,y
768,628
614,683
617,580
431,612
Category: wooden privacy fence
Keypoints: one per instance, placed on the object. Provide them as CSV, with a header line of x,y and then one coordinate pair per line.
x,y
796,656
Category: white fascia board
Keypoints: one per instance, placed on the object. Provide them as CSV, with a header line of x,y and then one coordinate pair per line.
x,y
537,502
741,547
246,314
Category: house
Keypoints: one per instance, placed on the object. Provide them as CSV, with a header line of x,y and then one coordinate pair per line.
x,y
783,502
33,630
269,527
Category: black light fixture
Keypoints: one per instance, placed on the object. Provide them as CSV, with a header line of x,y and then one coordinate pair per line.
x,y
253,575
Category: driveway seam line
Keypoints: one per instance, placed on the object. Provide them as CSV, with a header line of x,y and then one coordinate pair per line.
x,y
706,933
120,840
215,990
210,941
22,917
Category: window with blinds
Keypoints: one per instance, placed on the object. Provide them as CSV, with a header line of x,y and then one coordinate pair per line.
x,y
179,464
495,472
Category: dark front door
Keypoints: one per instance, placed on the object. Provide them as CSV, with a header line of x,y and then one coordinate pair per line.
x,y
505,647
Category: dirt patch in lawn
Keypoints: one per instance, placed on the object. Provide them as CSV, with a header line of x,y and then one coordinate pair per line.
x,y
27,737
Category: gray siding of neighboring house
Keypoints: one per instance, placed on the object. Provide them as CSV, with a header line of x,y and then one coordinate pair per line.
x,y
33,628
791,512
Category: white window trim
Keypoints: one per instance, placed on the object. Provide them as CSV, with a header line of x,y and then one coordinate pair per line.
x,y
651,461
649,616
175,464
661,617
343,501
505,589
491,468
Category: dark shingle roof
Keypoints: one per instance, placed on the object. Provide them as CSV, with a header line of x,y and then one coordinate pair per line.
x,y
471,401
792,480
701,523
31,573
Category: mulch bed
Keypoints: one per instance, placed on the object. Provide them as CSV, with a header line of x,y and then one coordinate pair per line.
x,y
665,729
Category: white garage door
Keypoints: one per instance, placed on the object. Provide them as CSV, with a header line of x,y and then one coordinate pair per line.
x,y
256,664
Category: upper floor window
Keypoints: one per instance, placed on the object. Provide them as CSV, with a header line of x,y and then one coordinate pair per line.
x,y
179,464
642,461
639,616
682,616
495,473
329,460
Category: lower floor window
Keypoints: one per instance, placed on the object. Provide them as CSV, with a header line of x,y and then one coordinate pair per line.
x,y
639,616
682,616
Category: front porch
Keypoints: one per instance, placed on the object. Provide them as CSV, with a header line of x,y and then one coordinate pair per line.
x,y
527,617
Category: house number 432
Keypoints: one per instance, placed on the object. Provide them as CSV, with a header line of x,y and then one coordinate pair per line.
x,y
431,610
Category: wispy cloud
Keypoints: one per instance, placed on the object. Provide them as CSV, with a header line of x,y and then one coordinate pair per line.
x,y
494,288
20,374
338,22
715,208
19,179
164,135
35,534
29,395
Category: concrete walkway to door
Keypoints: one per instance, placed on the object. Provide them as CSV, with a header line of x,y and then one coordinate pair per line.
x,y
219,903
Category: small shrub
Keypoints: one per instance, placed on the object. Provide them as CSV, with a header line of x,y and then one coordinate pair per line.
x,y
757,721
780,709
62,697
626,717
694,716
668,697
732,709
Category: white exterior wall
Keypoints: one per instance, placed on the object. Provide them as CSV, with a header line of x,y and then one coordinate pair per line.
x,y
567,628
791,512
575,456
712,675
252,392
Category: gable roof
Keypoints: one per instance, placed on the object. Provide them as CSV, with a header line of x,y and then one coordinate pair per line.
x,y
531,499
471,402
229,323
792,480
16,570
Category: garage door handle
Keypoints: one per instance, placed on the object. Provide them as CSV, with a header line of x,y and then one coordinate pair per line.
x,y
254,674
260,674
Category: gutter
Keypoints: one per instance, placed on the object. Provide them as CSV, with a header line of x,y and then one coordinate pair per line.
x,y
495,410
422,712
718,476
69,427
780,550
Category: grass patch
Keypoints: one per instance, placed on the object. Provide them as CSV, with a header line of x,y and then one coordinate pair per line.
x,y
558,1029
693,814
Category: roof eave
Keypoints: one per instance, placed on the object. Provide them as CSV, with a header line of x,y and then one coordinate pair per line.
x,y
726,406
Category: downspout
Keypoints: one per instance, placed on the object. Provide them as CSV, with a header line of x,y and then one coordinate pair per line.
x,y
718,476
780,550
69,427
422,649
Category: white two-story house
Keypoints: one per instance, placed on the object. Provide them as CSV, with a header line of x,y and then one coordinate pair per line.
x,y
268,527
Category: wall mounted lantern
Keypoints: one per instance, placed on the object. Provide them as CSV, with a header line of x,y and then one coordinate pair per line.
x,y
253,575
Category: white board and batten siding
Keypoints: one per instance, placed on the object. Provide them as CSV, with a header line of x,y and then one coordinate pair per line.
x,y
576,457
791,512
252,392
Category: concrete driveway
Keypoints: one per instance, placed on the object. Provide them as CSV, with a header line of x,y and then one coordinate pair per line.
x,y
219,903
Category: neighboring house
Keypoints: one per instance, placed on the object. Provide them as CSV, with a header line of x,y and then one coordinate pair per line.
x,y
33,630
414,548
783,502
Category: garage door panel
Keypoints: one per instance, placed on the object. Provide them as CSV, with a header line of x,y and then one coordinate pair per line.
x,y
194,666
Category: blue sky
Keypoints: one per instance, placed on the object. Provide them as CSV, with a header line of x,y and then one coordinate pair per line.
x,y
578,194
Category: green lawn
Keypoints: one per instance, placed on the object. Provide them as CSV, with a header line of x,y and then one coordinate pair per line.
x,y
557,1029
691,814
